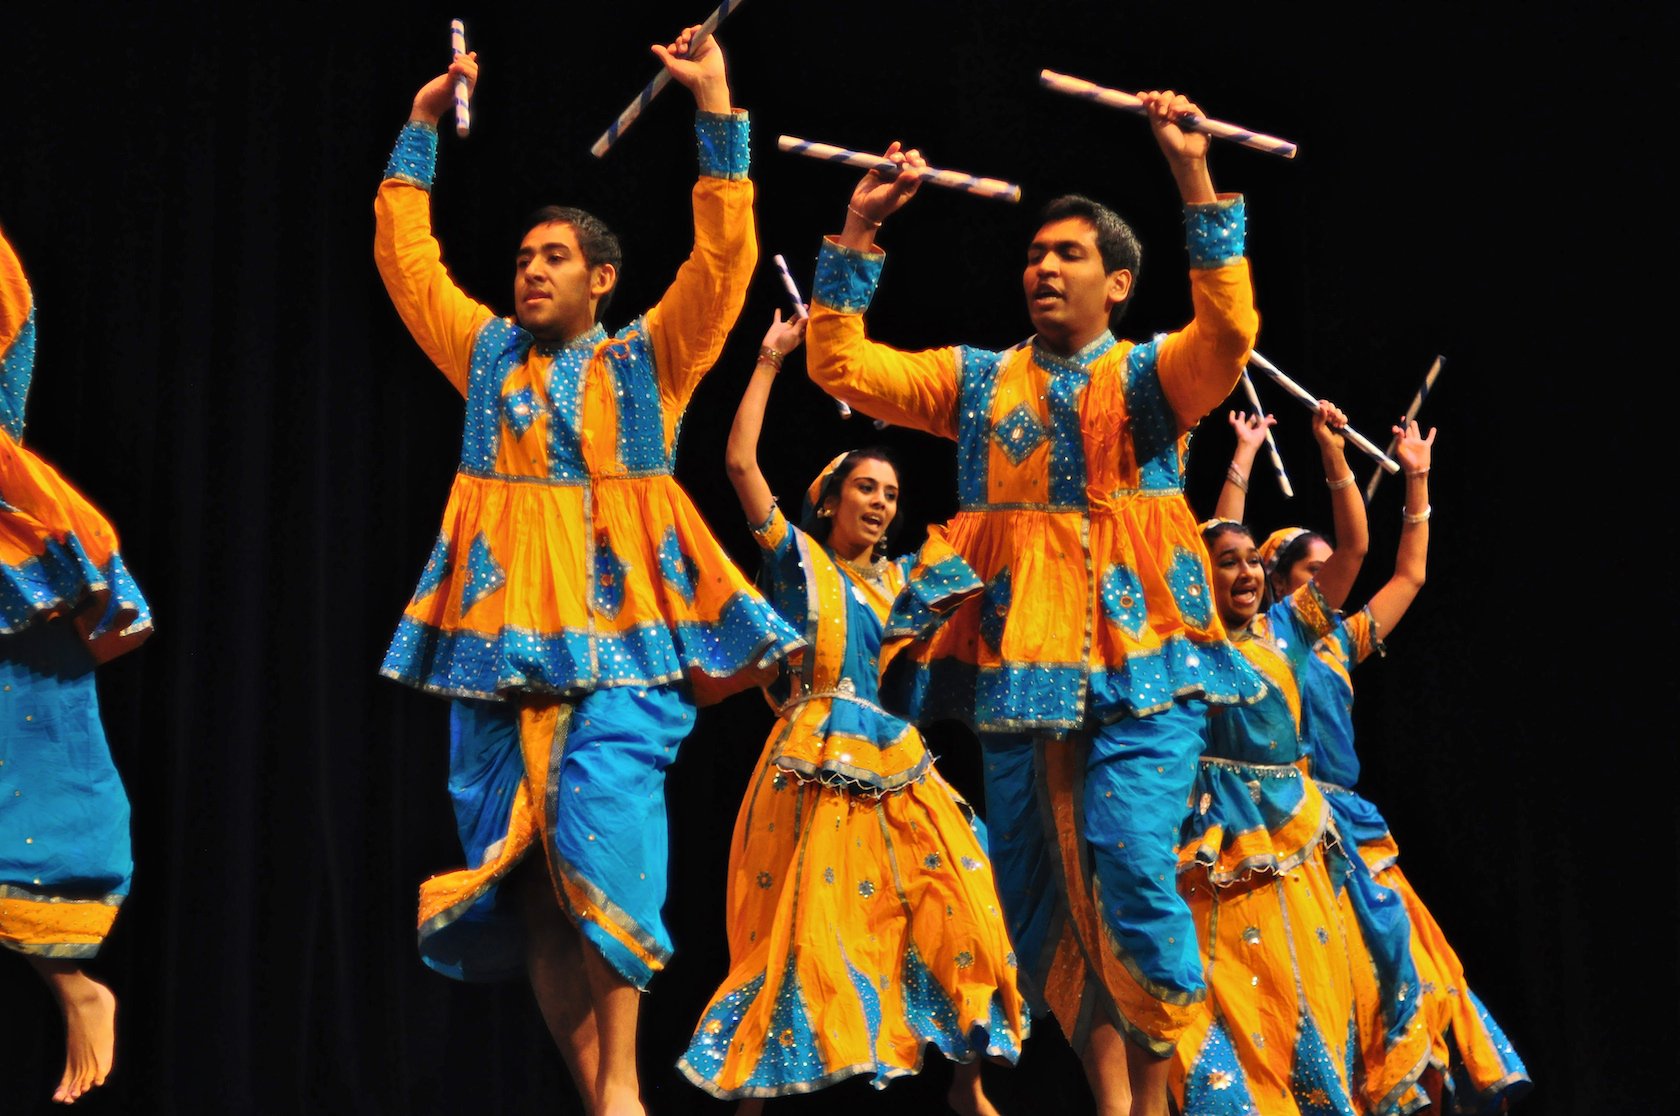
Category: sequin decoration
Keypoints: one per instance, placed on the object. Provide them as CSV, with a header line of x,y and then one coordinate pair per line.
x,y
828,875
765,879
1323,935
929,1009
1153,424
1314,1082
641,413
414,158
677,568
1214,1084
706,1055
794,1055
437,568
519,410
932,861
964,959
778,782
607,591
971,864
723,143
17,368
564,389
1122,596
866,888
484,574
994,610
1216,232
976,390
1188,581
845,279
1019,434
1251,935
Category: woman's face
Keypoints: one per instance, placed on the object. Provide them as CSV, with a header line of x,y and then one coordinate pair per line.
x,y
1238,576
1306,568
863,509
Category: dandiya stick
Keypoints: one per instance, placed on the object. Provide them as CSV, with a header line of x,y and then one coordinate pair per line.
x,y
1306,397
1271,443
458,47
800,309
1114,98
954,180
660,81
1411,413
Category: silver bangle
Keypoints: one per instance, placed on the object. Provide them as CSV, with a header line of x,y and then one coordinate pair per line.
x,y
1420,517
1236,478
864,217
1338,485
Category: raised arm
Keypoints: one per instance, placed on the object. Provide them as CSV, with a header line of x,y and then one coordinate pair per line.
x,y
1347,508
740,456
1393,599
1200,364
441,318
917,390
1251,435
693,319
17,340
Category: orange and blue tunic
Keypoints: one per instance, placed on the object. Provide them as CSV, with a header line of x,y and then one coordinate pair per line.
x,y
1478,1061
1292,1020
575,604
67,603
863,919
1094,617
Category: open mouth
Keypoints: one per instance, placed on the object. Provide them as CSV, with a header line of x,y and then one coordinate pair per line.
x,y
1245,595
1045,296
871,520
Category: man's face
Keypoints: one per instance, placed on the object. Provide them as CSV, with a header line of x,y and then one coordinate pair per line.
x,y
1069,295
554,290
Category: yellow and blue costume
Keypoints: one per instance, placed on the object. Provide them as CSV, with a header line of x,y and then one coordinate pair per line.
x,y
67,603
1095,615
1294,1021
575,604
1479,1063
863,917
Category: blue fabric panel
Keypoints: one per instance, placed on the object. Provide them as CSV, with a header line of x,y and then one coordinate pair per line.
x,y
710,1045
484,574
499,347
1025,860
977,373
792,1053
677,568
641,417
437,568
994,610
845,279
606,592
1216,232
1216,1084
1381,915
920,606
565,403
17,368
1154,427
414,158
520,410
928,1009
1123,600
1019,433
723,142
1150,681
1315,1084
1067,440
1187,578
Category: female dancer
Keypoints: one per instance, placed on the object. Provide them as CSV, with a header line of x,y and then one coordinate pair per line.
x,y
67,604
863,918
1469,1052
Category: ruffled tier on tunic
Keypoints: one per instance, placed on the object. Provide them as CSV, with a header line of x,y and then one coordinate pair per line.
x,y
564,588
861,928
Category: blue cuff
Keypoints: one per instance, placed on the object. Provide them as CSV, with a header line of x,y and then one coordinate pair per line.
x,y
723,139
1215,232
846,278
414,159
17,367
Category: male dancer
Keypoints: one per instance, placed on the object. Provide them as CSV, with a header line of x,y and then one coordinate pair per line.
x,y
575,606
1087,663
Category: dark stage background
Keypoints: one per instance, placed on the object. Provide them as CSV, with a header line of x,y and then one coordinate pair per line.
x,y
221,371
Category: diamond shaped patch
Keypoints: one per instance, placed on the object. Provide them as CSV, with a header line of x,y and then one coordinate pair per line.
x,y
1019,433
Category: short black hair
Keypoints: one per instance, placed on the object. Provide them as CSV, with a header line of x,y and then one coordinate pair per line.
x,y
598,243
1116,241
818,526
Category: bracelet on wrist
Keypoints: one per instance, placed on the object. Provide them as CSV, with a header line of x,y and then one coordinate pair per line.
x,y
1236,478
1423,472
1338,484
1420,517
767,355
864,217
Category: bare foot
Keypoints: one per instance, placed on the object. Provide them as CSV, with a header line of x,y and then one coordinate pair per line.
x,y
966,1096
90,1026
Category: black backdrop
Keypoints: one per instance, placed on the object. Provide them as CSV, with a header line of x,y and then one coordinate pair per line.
x,y
219,369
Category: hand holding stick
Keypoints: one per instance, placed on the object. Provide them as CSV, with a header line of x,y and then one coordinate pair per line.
x,y
458,48
887,169
660,81
1114,98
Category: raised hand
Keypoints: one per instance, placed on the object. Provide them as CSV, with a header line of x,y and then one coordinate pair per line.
x,y
784,337
437,96
1327,428
703,74
1250,429
875,198
1413,451
1186,151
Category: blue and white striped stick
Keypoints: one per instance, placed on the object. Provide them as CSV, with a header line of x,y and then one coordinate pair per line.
x,y
1411,413
660,81
800,309
954,180
458,47
1363,443
1271,443
1114,98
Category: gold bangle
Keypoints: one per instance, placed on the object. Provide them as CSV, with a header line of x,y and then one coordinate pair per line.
x,y
1338,485
767,355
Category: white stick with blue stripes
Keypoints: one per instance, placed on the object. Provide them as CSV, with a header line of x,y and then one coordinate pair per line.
x,y
1411,413
1114,98
660,81
954,180
458,47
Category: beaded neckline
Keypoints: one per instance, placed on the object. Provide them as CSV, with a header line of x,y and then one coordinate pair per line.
x,y
588,339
